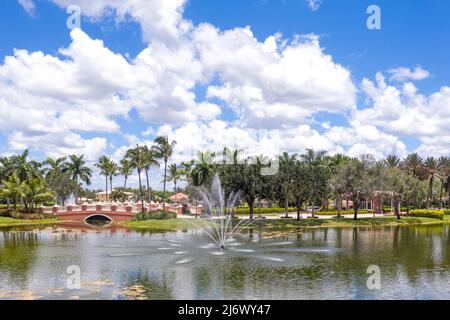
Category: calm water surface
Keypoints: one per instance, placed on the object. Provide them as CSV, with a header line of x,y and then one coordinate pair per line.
x,y
118,263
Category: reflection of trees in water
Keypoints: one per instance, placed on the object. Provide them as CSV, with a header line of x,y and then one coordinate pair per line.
x,y
142,285
407,256
17,254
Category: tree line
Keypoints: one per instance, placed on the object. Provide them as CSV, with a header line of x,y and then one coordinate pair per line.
x,y
299,180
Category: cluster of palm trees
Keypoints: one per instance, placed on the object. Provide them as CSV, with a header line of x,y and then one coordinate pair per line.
x,y
141,159
429,169
30,182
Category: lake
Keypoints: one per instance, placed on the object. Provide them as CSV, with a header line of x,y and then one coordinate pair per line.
x,y
119,263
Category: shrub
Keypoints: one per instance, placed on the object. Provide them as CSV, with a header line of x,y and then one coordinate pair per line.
x,y
263,210
294,210
424,213
155,215
26,216
447,211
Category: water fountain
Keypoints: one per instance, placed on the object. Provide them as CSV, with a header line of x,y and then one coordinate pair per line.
x,y
220,225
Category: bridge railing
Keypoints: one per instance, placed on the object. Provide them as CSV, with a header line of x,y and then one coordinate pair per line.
x,y
118,208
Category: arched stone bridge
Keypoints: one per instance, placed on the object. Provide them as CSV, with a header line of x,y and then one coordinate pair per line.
x,y
114,212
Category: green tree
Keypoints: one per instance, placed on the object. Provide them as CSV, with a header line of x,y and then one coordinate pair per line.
x,y
63,186
126,170
286,177
204,169
413,164
79,172
432,167
35,192
53,169
102,164
138,162
355,179
13,189
174,175
150,157
392,161
164,149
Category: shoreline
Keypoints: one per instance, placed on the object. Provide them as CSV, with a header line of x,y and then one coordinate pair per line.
x,y
173,225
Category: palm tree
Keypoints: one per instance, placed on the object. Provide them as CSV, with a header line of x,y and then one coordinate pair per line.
x,y
287,167
79,172
204,169
6,169
392,161
36,191
313,158
150,161
164,150
232,155
431,167
126,169
55,167
187,170
24,168
174,174
413,164
13,189
112,169
138,162
102,164
443,175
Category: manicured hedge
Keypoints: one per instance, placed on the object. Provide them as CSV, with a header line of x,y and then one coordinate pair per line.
x,y
294,210
26,216
156,215
263,210
424,213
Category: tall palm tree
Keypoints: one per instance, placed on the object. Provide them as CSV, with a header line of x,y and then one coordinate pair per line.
x,y
112,169
431,167
79,172
138,162
126,169
287,167
174,175
102,164
150,156
6,170
164,149
413,164
54,166
443,175
392,161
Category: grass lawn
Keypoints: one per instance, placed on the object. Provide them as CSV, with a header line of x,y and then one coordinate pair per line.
x,y
10,222
185,224
348,222
165,225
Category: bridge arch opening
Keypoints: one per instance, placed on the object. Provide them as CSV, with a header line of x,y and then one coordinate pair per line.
x,y
98,220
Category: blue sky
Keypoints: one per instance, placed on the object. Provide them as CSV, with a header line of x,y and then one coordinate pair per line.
x,y
326,96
